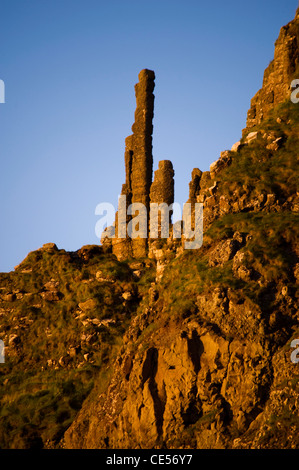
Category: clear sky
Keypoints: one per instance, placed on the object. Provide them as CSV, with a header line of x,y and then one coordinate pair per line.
x,y
69,68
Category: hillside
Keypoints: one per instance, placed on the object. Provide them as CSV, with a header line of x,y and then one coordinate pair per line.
x,y
175,348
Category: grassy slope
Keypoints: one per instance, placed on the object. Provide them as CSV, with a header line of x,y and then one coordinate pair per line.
x,y
38,401
273,235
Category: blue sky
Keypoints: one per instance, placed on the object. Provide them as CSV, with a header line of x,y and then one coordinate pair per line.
x,y
69,68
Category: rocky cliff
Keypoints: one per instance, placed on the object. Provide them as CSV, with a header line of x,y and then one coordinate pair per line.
x,y
170,348
206,362
278,75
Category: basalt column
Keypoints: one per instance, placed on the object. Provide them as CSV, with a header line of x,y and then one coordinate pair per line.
x,y
139,166
162,191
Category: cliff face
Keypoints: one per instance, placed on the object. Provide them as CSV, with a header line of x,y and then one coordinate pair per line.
x,y
206,361
278,75
171,348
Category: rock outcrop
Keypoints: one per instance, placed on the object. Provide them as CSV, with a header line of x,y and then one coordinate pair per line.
x,y
278,75
138,165
181,348
139,187
206,362
162,191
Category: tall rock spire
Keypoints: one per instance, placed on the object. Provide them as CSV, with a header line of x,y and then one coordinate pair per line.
x,y
138,163
139,187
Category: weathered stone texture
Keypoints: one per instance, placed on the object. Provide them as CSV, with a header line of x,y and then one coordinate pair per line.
x,y
278,75
138,163
194,185
138,187
162,188
141,151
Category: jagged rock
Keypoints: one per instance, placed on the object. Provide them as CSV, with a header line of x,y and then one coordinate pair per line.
x,y
136,265
10,297
73,351
194,185
51,285
49,247
127,295
162,188
64,361
158,393
275,145
162,191
239,237
251,137
236,147
51,296
278,75
223,162
212,189
224,205
3,311
89,251
108,321
89,304
14,340
137,274
19,295
153,293
271,198
106,239
88,338
240,269
101,277
223,252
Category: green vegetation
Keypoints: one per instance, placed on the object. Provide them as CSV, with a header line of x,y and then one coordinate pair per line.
x,y
37,407
60,347
256,169
63,315
269,235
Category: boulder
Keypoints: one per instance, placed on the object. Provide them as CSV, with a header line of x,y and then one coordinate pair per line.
x,y
89,304
51,296
49,247
223,162
8,297
14,340
240,269
101,277
51,285
251,137
236,146
127,295
275,145
223,252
